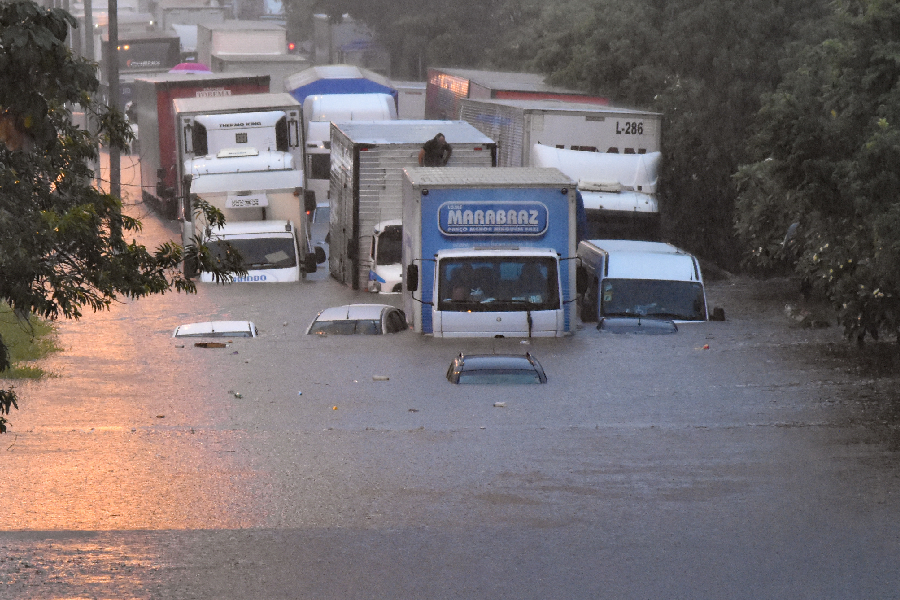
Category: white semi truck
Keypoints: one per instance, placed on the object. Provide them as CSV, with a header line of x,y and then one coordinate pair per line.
x,y
261,122
518,125
318,112
242,154
489,252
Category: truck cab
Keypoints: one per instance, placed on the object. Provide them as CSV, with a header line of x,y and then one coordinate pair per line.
x,y
270,249
385,269
628,278
497,292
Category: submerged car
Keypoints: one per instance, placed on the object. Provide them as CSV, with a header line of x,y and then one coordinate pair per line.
x,y
217,329
496,369
359,319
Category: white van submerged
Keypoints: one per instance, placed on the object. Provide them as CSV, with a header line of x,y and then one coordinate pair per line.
x,y
637,279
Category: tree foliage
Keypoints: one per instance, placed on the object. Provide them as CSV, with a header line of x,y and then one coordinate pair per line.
x,y
827,153
65,243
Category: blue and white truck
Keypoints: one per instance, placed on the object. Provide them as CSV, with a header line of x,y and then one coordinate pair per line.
x,y
489,252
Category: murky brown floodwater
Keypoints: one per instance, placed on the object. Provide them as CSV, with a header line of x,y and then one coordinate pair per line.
x,y
764,466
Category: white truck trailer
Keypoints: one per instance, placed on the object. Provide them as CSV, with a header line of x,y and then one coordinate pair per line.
x,y
367,163
618,190
519,124
318,112
489,252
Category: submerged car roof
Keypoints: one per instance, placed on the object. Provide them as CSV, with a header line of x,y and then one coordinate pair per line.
x,y
353,312
633,259
216,328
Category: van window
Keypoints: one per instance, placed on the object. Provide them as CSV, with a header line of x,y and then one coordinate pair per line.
x,y
676,300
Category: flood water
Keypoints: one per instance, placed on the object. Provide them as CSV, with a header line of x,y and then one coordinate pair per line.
x,y
740,459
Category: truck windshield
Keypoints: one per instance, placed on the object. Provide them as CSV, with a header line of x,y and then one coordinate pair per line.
x,y
676,300
389,247
261,252
498,284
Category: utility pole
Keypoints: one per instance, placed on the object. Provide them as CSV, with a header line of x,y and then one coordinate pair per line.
x,y
112,71
88,33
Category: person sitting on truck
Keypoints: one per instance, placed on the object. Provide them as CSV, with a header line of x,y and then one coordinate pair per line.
x,y
436,152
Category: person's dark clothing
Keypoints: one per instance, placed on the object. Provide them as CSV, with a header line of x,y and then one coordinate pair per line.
x,y
436,152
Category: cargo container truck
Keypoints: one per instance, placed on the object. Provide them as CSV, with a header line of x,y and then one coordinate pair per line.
x,y
153,106
489,252
263,123
367,162
519,124
446,88
337,79
318,113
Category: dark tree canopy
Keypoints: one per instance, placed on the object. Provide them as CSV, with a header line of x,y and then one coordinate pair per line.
x,y
828,150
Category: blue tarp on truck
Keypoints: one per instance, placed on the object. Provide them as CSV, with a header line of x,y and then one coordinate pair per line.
x,y
337,79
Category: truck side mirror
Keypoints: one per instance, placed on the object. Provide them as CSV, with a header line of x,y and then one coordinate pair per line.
x,y
581,279
412,278
320,255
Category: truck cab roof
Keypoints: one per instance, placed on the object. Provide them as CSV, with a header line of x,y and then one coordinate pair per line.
x,y
254,227
631,259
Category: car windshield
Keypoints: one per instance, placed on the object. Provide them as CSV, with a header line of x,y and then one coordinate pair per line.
x,y
499,376
676,300
347,327
389,246
501,284
260,252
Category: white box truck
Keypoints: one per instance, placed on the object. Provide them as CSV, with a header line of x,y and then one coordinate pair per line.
x,y
366,182
319,111
489,252
264,214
